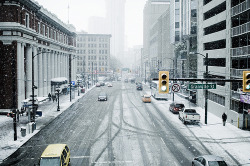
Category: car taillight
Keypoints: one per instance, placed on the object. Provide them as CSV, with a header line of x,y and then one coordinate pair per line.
x,y
186,116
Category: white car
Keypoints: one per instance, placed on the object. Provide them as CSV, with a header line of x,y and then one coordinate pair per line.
x,y
208,160
110,85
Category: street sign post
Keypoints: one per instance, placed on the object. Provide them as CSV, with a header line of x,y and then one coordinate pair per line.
x,y
176,87
202,86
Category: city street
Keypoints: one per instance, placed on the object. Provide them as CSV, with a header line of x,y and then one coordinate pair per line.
x,y
121,131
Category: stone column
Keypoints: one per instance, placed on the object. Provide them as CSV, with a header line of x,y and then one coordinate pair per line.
x,y
35,68
20,76
56,65
40,76
49,72
45,65
52,57
29,71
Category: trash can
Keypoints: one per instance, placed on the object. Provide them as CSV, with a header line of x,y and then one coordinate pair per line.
x,y
33,126
23,132
82,90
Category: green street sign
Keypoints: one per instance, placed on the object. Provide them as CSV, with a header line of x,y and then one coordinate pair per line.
x,y
202,86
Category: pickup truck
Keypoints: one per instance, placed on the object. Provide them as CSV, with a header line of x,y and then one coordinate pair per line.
x,y
189,115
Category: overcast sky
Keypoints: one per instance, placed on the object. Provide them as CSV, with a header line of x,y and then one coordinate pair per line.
x,y
81,10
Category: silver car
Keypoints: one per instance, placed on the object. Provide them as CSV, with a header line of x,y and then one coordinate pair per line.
x,y
208,160
102,97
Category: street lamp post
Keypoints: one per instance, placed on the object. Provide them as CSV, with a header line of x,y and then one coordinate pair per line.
x,y
58,92
70,75
33,86
206,75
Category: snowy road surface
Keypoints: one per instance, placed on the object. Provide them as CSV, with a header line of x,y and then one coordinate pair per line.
x,y
126,131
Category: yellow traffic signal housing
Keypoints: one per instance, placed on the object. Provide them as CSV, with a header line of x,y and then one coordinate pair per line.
x,y
163,81
246,81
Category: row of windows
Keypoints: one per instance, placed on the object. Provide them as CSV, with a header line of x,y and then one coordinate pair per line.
x,y
92,51
240,19
94,64
100,57
215,45
215,11
101,39
47,31
240,41
221,62
206,2
92,45
236,2
215,28
241,63
217,77
80,58
216,98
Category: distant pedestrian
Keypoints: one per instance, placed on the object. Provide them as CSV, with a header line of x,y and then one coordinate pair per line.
x,y
22,111
49,95
53,97
224,118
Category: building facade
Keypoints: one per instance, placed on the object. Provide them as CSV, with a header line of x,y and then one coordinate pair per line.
x,y
29,33
223,35
153,9
93,52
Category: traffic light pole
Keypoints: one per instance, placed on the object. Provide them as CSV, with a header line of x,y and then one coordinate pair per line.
x,y
206,92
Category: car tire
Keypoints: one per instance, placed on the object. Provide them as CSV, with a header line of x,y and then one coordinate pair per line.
x,y
193,164
184,122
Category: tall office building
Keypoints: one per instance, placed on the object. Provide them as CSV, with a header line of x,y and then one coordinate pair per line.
x,y
116,26
153,9
223,34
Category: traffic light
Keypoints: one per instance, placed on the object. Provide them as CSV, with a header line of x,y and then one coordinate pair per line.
x,y
163,81
246,81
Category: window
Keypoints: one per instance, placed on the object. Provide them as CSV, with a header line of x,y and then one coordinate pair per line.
x,y
47,32
216,98
206,2
177,25
221,62
39,28
44,32
215,28
216,10
215,45
27,20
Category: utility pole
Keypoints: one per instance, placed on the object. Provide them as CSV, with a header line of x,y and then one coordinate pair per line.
x,y
92,75
70,77
206,92
145,72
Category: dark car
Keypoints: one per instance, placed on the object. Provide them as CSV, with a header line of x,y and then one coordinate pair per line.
x,y
175,107
102,97
139,87
209,160
102,83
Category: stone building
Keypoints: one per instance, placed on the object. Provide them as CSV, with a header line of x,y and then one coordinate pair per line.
x,y
28,32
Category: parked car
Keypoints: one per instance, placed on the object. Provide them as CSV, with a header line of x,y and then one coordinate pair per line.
x,y
189,115
102,83
139,87
208,160
110,85
102,97
146,98
175,107
98,84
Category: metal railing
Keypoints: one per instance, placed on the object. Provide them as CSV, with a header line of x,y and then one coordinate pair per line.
x,y
239,51
240,8
237,72
239,30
